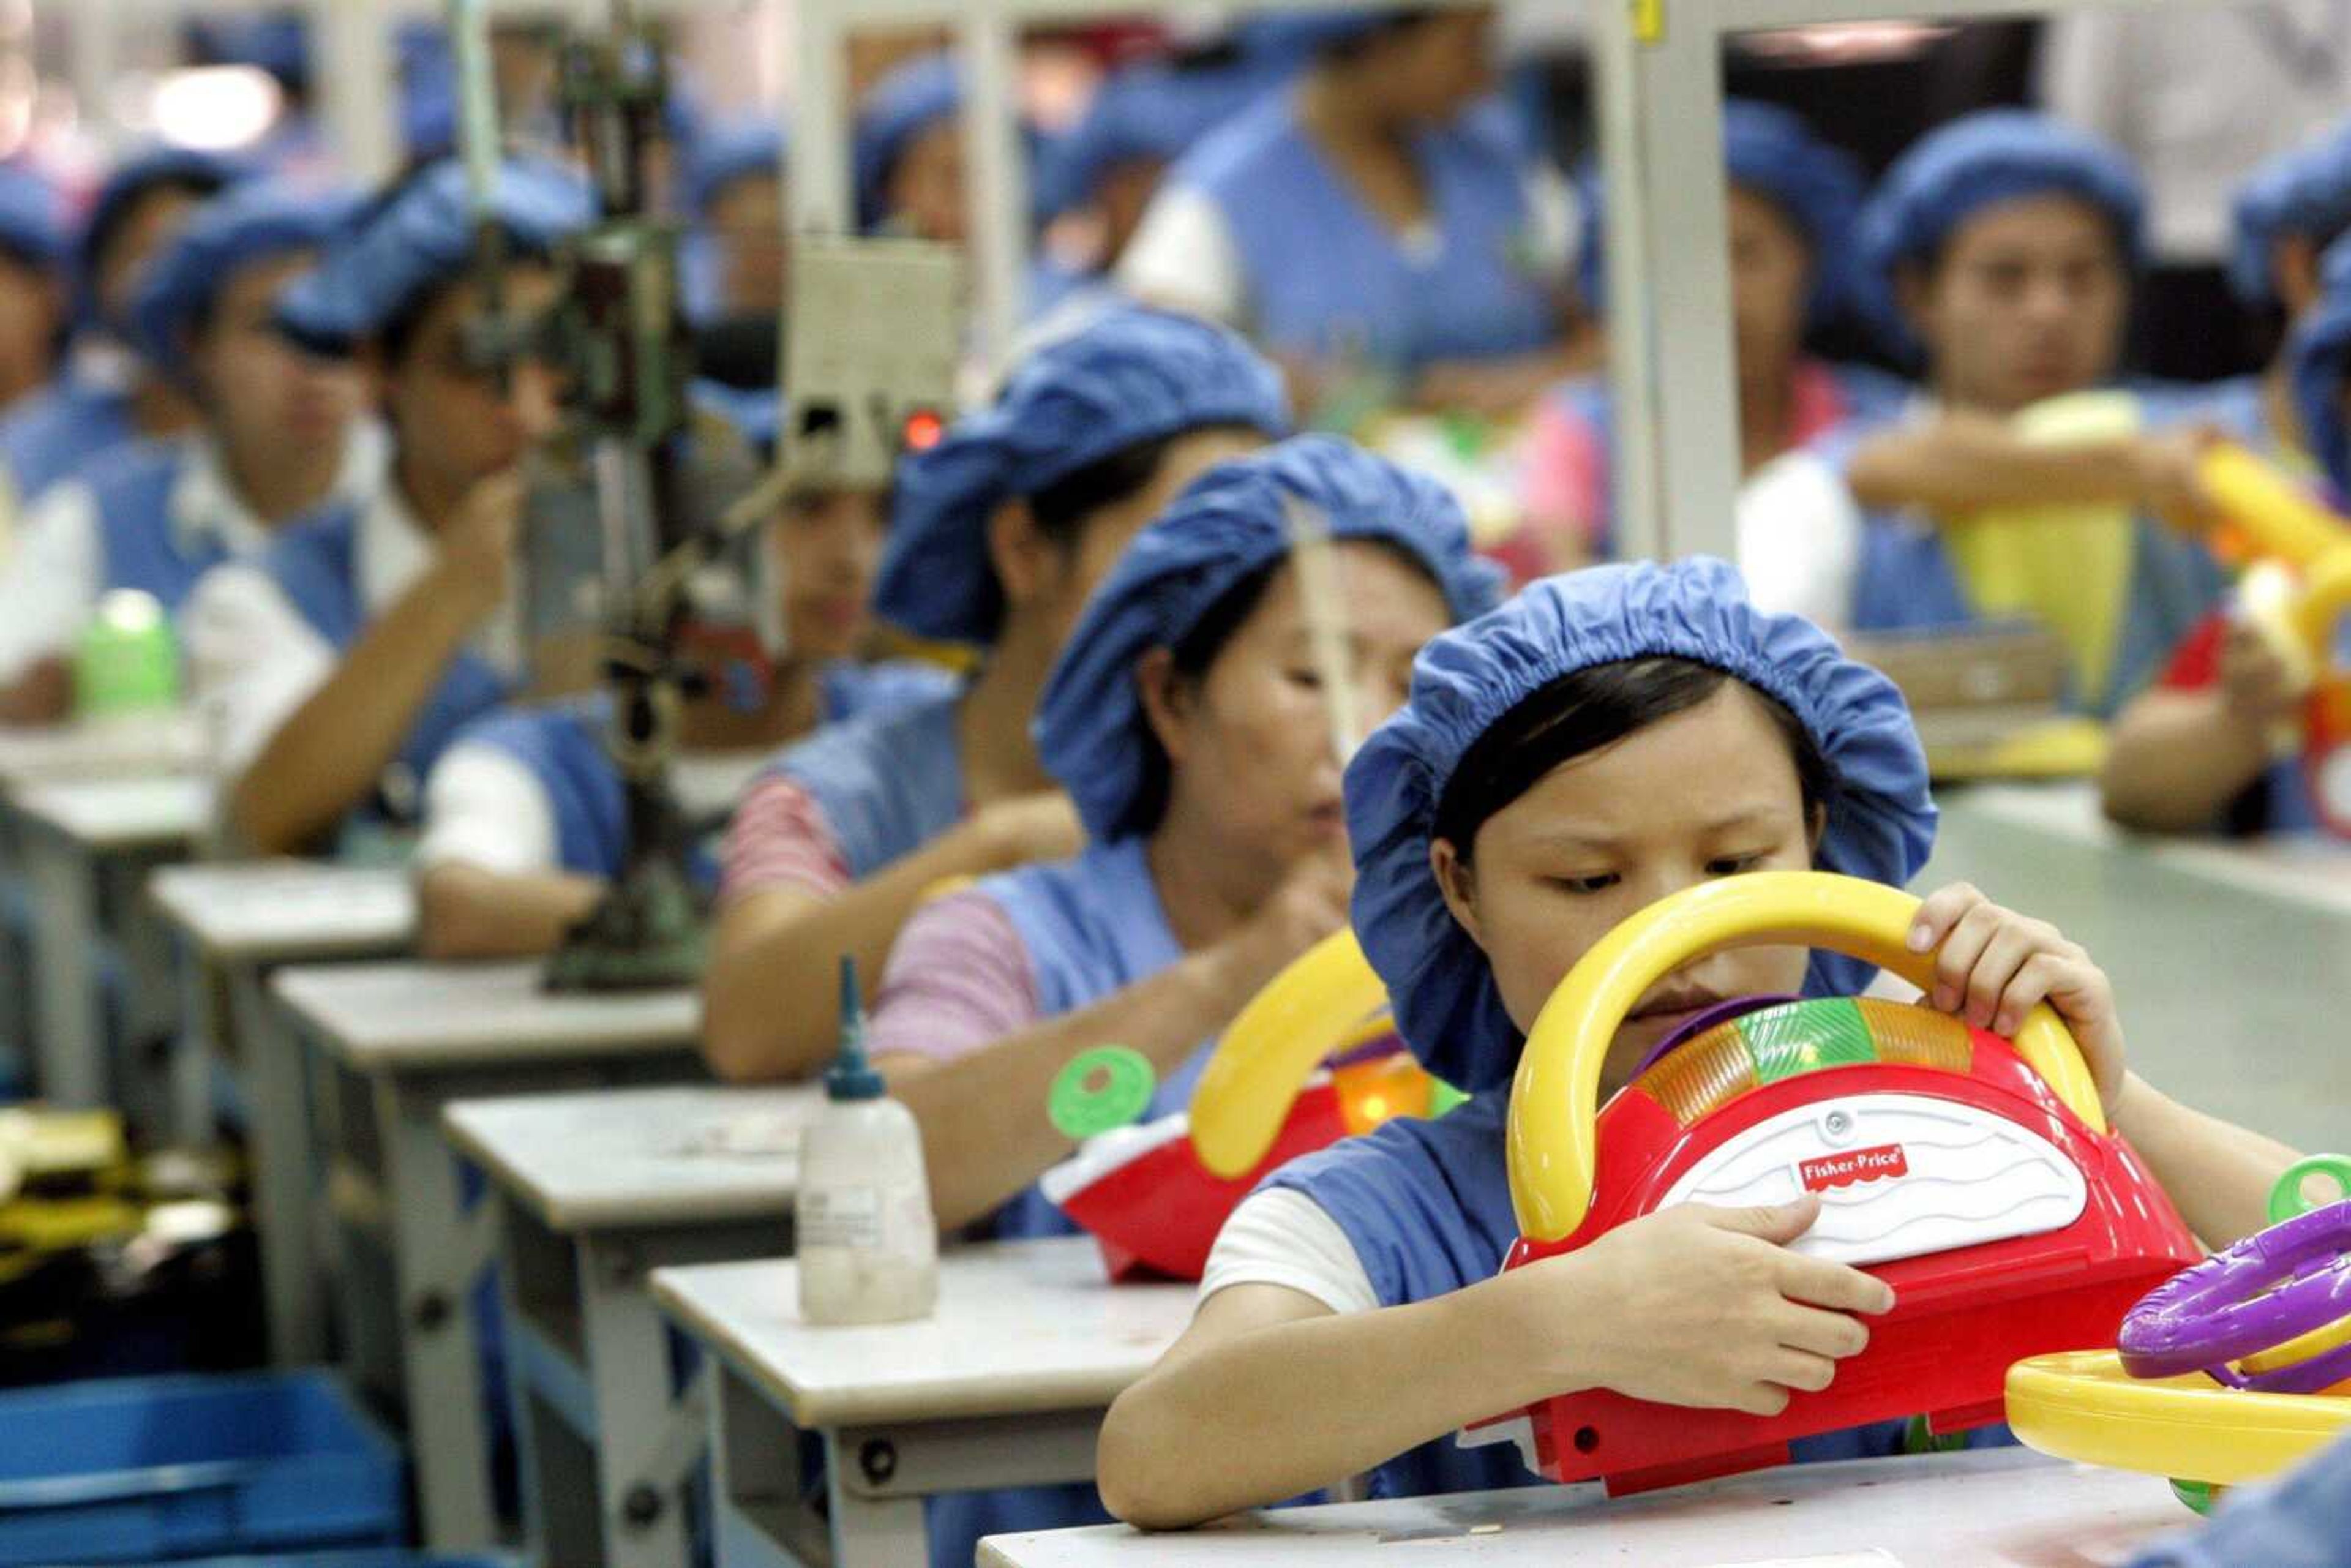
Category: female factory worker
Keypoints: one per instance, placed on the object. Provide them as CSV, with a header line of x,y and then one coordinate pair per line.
x,y
1369,218
31,291
734,188
907,152
279,436
1794,200
341,660
525,821
106,396
2286,215
1188,719
2009,243
1605,739
998,534
1108,165
2198,750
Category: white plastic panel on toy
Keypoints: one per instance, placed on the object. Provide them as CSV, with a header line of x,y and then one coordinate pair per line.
x,y
1899,1175
1101,1155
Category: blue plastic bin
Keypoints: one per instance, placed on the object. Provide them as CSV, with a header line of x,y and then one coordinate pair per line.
x,y
141,1470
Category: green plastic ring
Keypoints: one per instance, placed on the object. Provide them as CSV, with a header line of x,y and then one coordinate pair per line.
x,y
2286,1201
1100,1090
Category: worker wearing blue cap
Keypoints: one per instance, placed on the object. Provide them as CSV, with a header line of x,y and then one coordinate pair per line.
x,y
1607,738
1140,119
525,819
997,533
107,396
1183,720
341,661
734,179
907,152
1375,220
2003,248
1794,204
2196,752
32,284
279,436
2302,1520
2286,213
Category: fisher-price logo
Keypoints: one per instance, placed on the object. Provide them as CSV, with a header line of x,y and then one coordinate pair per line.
x,y
1850,1170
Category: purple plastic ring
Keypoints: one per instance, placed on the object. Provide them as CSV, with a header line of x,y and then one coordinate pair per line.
x,y
2268,1288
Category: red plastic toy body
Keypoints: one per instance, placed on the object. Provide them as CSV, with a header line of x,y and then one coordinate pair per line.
x,y
2022,1230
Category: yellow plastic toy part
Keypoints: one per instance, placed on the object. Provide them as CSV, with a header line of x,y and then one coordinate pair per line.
x,y
1313,1007
2326,596
2082,1406
1554,1099
2268,514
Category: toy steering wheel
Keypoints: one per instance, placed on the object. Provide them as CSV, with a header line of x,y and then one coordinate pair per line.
x,y
2279,1301
1554,1100
1294,1023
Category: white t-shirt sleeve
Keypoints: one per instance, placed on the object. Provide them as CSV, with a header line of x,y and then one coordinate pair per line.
x,y
484,808
52,579
1183,257
252,660
1282,1236
1554,222
1800,535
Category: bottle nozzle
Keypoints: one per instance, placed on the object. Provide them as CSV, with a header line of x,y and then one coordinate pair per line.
x,y
852,1076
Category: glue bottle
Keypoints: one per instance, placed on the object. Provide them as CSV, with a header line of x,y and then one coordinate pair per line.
x,y
867,1245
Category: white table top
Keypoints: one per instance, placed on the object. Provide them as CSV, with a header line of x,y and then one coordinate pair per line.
x,y
687,1154
132,746
167,810
2232,969
2309,869
386,1017
277,911
2005,1507
1021,1326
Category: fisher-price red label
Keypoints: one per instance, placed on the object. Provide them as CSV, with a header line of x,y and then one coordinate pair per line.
x,y
1853,1169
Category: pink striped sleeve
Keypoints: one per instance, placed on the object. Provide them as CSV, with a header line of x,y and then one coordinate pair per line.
x,y
958,980
779,838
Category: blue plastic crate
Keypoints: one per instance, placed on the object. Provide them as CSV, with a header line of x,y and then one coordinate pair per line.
x,y
140,1469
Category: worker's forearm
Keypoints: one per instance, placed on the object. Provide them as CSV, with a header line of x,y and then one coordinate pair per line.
x,y
1275,1411
986,1131
2218,1174
770,1001
325,757
2177,758
466,911
1959,464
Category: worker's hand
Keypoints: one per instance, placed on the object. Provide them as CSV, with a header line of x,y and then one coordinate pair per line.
x,y
1310,903
2172,486
42,694
1027,829
2255,683
478,542
1501,390
1992,965
1700,1306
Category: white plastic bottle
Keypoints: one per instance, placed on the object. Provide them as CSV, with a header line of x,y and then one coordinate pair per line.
x,y
867,1245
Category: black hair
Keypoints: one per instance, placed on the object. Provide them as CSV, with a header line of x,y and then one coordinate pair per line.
x,y
1062,509
1351,47
397,336
1199,648
111,218
1586,709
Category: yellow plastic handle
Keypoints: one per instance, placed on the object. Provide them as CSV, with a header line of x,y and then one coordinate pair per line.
x,y
1554,1101
1311,1008
2326,595
2268,509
